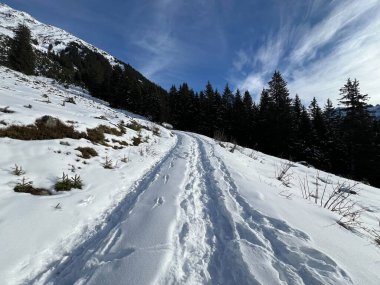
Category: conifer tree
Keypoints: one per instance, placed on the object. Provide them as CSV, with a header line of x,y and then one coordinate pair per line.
x,y
21,55
282,125
265,122
357,127
227,110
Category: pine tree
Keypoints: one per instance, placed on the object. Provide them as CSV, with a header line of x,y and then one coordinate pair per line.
x,y
238,118
297,109
318,120
320,133
265,122
354,102
247,120
297,142
282,126
357,129
21,55
227,110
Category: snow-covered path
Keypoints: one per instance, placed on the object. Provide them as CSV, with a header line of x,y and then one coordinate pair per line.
x,y
185,222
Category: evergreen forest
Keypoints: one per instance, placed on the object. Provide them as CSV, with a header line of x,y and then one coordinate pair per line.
x,y
344,140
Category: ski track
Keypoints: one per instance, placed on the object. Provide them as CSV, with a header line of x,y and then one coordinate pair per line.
x,y
219,238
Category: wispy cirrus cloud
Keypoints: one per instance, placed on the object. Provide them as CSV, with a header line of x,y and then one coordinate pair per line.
x,y
319,53
172,38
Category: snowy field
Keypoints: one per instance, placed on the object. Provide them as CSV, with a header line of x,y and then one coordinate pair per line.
x,y
178,208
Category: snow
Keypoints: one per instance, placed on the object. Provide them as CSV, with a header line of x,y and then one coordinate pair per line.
x,y
25,249
44,34
184,208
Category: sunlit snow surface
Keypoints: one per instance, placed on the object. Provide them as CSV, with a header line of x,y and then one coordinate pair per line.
x,y
44,34
183,210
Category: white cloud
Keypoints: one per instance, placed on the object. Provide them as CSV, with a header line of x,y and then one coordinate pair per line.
x,y
254,83
339,18
317,59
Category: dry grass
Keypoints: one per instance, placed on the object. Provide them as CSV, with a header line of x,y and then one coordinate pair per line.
x,y
87,152
6,110
134,126
137,140
18,171
108,164
44,128
96,135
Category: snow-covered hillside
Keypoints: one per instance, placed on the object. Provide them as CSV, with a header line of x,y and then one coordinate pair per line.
x,y
176,208
44,34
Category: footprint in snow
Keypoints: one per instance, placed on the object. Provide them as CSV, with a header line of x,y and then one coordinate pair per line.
x,y
166,178
86,201
158,202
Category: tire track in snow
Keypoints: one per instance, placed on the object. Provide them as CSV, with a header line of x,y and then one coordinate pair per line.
x,y
282,250
80,264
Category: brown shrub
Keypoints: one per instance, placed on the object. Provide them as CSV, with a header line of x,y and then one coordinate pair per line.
x,y
134,126
44,128
137,140
87,152
96,135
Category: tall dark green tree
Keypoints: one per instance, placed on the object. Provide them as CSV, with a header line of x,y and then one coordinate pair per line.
x,y
265,122
318,143
282,125
227,109
21,55
357,127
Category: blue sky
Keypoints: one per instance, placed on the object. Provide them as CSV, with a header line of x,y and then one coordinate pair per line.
x,y
316,44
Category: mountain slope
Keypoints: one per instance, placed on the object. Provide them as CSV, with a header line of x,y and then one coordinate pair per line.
x,y
158,206
44,35
183,209
70,60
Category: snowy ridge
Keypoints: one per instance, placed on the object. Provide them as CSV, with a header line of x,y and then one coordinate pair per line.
x,y
44,34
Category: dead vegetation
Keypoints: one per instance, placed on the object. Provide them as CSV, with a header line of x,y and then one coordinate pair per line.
x,y
134,126
48,127
125,159
44,128
6,110
137,140
283,173
220,136
70,100
108,164
87,152
96,135
17,170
